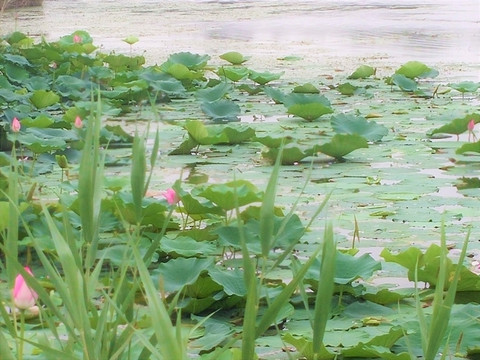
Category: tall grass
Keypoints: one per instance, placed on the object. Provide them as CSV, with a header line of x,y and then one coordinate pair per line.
x,y
433,328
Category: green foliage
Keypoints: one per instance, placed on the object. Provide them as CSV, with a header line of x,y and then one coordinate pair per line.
x,y
362,72
350,124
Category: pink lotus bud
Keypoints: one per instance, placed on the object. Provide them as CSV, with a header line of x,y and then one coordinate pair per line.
x,y
16,126
23,297
78,122
171,196
77,39
471,125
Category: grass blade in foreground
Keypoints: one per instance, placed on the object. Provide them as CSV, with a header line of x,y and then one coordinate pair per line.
x,y
434,329
323,300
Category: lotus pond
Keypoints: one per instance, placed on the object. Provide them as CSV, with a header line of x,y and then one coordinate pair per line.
x,y
334,217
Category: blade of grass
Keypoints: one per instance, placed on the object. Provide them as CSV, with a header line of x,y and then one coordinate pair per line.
x,y
137,175
323,300
267,209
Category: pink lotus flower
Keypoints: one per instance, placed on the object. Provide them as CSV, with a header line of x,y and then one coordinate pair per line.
x,y
78,122
77,39
23,296
471,127
171,196
16,126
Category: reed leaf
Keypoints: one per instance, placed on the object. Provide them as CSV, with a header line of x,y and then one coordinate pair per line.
x,y
323,300
137,175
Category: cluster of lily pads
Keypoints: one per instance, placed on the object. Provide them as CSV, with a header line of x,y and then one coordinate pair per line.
x,y
195,248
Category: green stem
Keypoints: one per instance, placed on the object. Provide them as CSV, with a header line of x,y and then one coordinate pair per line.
x,y
22,334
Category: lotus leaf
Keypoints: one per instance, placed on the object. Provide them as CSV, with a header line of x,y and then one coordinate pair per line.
x,y
231,280
342,144
43,98
213,93
457,126
130,40
173,88
346,89
263,78
307,106
16,73
232,194
351,124
233,57
187,247
45,140
41,121
221,110
181,72
177,273
277,95
208,135
307,88
234,73
189,60
469,147
465,86
291,154
416,69
362,72
404,83
198,210
274,141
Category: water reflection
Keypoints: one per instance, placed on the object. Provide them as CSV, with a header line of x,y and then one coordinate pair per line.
x,y
435,31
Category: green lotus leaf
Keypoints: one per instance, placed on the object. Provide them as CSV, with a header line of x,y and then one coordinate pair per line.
x,y
209,135
362,72
198,210
172,88
307,88
191,61
468,183
130,40
416,69
405,83
41,121
307,106
182,72
274,141
233,73
16,73
263,78
187,247
44,98
213,93
120,62
457,126
304,346
221,110
177,273
351,124
309,111
45,140
231,280
465,86
233,57
469,147
251,90
346,89
277,95
185,148
232,194
342,144
17,60
291,154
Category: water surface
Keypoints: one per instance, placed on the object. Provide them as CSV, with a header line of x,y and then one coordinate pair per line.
x,y
326,32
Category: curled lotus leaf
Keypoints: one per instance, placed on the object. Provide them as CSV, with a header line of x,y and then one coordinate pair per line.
x,y
465,86
416,69
191,61
233,73
221,110
263,78
362,72
234,57
342,144
351,124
